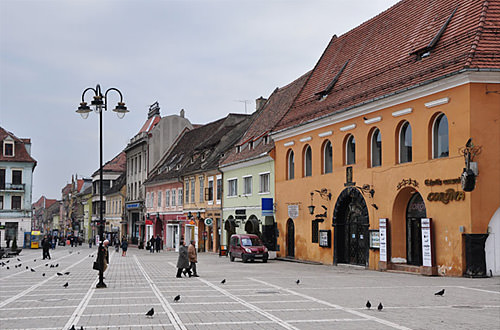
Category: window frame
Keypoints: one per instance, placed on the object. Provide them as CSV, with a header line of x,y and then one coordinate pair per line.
x,y
20,202
372,150
325,145
167,198
290,164
218,189
435,136
268,176
307,162
19,176
232,189
404,126
159,199
247,185
12,145
173,196
350,141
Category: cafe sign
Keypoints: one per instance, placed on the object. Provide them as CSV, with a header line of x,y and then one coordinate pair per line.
x,y
447,196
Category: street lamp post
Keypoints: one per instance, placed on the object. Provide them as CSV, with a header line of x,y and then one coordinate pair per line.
x,y
100,104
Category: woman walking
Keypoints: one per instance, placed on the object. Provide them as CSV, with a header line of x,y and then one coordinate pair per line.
x,y
182,260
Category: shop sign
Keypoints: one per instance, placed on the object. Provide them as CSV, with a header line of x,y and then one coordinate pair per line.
x,y
407,182
208,222
132,206
267,207
383,239
447,196
426,242
149,222
293,211
439,182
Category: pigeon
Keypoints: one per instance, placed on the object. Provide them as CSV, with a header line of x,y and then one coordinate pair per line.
x,y
33,270
43,274
57,265
67,273
7,261
223,281
177,298
27,267
18,259
81,328
46,265
151,312
51,266
380,306
72,327
66,284
368,304
34,260
8,267
59,274
298,282
439,293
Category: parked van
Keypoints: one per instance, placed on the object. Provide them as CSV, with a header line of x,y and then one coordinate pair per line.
x,y
247,247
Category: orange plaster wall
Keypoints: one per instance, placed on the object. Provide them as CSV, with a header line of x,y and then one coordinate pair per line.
x,y
447,218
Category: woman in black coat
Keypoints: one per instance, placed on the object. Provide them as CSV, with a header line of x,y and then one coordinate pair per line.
x,y
182,260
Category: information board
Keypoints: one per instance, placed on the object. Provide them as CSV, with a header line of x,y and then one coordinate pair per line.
x,y
383,239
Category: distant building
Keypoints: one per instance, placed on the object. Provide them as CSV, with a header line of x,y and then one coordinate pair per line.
x,y
16,178
41,214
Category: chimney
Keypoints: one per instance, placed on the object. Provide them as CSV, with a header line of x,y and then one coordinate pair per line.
x,y
259,103
182,113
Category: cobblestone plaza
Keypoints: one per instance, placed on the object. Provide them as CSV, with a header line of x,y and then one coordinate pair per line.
x,y
255,295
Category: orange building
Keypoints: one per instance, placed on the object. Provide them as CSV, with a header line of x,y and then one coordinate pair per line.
x,y
378,138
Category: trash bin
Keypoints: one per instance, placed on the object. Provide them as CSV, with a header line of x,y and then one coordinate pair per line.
x,y
475,259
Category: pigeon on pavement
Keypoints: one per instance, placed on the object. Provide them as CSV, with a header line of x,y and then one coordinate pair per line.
x,y
368,304
298,282
380,306
223,281
177,298
439,293
59,274
72,327
66,284
67,273
43,274
33,270
151,312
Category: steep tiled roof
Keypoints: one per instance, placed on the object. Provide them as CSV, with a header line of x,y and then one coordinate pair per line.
x,y
117,164
412,43
264,121
200,149
117,184
20,152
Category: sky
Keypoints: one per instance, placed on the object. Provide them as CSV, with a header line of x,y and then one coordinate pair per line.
x,y
208,57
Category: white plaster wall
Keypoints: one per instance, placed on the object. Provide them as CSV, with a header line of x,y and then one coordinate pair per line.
x,y
492,246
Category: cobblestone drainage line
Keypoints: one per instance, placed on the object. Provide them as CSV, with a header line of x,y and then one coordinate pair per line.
x,y
172,315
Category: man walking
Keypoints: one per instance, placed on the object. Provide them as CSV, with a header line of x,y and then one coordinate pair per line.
x,y
193,258
158,243
45,247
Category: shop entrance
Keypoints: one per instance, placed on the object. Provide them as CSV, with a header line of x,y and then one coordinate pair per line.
x,y
290,239
415,211
350,219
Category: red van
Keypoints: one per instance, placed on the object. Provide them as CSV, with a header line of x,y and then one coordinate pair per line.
x,y
247,247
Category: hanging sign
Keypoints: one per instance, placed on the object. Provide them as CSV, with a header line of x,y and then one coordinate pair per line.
x,y
426,242
208,222
383,239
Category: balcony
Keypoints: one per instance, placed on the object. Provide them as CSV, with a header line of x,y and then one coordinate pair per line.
x,y
12,187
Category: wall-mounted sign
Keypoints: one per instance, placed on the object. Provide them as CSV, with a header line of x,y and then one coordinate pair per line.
x,y
407,182
447,196
240,214
267,207
426,242
149,222
383,239
293,211
133,206
374,239
439,182
325,238
208,222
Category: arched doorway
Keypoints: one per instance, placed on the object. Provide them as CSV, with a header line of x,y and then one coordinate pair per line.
x,y
230,227
290,239
415,211
350,219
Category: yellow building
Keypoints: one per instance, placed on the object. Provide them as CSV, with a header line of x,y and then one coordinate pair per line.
x,y
383,130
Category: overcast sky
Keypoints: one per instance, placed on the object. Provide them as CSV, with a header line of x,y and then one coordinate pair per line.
x,y
202,56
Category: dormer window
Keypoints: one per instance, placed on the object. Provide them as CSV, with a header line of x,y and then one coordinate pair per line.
x,y
238,149
250,145
266,139
8,148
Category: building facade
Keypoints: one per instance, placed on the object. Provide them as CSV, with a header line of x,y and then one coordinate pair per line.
x,y
16,178
376,156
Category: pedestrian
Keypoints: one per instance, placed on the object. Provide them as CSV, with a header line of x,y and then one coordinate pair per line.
x,y
117,244
151,244
103,255
183,260
45,247
193,258
124,246
157,243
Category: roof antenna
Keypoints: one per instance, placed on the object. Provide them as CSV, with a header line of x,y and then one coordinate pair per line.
x,y
243,101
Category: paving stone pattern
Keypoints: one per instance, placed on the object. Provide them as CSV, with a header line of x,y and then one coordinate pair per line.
x,y
256,295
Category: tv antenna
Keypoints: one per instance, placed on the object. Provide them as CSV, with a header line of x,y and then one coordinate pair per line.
x,y
243,101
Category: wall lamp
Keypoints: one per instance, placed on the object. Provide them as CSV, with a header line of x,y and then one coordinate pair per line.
x,y
366,189
311,207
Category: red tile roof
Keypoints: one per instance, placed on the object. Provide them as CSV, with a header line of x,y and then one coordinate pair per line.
x,y
264,120
150,124
382,54
117,164
20,152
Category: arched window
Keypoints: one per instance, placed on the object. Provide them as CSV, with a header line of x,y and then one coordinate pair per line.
x,y
350,150
291,165
440,137
307,161
327,157
376,148
405,143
